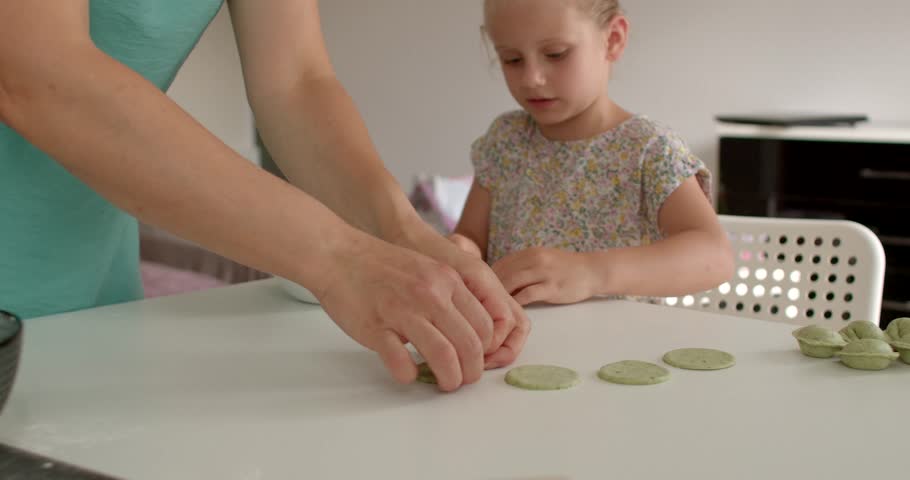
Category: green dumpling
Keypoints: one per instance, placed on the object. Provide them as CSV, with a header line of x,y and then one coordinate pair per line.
x,y
818,342
860,329
867,354
898,334
903,349
898,329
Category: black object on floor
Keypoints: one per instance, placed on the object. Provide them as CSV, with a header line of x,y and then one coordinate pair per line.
x,y
10,346
22,465
794,119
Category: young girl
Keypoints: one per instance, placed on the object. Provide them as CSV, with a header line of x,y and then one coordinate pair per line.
x,y
573,196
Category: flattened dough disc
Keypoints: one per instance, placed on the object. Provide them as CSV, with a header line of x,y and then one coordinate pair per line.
x,y
699,359
633,372
542,377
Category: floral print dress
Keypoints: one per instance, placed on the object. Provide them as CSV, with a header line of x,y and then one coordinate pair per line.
x,y
585,195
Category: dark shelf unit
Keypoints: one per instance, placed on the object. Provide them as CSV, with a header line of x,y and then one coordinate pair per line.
x,y
776,173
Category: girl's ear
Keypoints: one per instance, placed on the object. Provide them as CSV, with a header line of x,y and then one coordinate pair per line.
x,y
617,35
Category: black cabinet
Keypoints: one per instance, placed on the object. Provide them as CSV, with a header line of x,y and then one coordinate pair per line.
x,y
854,173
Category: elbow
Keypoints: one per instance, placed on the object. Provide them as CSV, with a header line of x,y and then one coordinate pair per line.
x,y
17,90
264,93
30,79
11,106
7,90
16,86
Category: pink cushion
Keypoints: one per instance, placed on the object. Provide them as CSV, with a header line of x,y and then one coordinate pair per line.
x,y
160,280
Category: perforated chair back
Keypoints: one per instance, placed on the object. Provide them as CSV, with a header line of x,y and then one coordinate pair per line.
x,y
800,271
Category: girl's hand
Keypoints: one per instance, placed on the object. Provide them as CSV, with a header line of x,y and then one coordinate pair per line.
x,y
466,244
546,275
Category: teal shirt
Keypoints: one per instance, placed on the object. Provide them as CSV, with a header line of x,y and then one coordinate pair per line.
x,y
62,246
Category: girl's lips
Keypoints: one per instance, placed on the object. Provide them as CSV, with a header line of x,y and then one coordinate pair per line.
x,y
541,102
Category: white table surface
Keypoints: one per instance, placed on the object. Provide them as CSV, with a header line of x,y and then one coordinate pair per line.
x,y
246,383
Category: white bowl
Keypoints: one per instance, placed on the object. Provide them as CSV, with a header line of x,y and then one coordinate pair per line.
x,y
297,291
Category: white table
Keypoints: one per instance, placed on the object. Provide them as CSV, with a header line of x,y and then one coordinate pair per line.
x,y
245,383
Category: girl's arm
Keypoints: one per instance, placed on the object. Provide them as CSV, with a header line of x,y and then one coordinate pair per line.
x,y
474,225
695,254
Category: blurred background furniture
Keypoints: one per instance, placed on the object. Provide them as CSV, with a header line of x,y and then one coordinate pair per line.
x,y
857,173
170,265
800,271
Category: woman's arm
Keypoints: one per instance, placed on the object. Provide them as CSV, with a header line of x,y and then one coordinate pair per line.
x,y
127,140
312,129
124,138
308,121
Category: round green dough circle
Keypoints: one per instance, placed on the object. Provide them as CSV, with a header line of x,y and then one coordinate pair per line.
x,y
633,372
542,377
699,359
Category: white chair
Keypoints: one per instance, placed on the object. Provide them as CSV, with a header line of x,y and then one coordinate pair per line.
x,y
800,271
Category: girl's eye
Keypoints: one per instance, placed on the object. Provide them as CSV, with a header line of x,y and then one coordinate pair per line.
x,y
511,61
557,55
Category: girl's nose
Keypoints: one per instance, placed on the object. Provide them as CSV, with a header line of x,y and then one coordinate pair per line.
x,y
534,75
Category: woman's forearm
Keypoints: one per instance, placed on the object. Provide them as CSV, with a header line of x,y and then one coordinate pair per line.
x,y
129,142
320,142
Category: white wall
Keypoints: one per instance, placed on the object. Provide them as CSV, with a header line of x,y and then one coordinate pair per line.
x,y
210,87
689,60
420,75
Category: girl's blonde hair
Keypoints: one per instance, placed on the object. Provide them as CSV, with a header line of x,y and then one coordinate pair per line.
x,y
601,11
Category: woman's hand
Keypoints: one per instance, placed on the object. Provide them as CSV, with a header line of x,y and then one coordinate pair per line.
x,y
384,296
510,323
466,244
